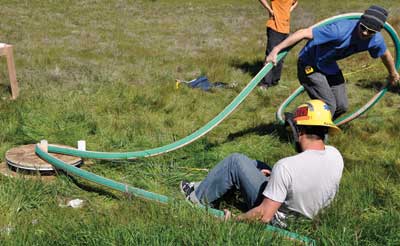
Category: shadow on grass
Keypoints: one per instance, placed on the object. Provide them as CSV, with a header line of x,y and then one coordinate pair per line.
x,y
261,130
118,164
90,188
250,68
377,85
232,201
4,88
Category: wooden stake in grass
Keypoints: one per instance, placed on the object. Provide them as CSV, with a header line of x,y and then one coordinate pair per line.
x,y
7,51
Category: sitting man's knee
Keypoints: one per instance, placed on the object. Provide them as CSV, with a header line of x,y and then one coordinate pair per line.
x,y
238,159
237,156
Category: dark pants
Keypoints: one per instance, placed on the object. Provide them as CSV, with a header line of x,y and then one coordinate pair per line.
x,y
328,88
273,39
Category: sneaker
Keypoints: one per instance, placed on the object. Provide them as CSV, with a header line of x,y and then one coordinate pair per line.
x,y
263,87
186,188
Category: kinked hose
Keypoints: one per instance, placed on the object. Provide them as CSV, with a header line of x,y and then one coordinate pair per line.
x,y
58,164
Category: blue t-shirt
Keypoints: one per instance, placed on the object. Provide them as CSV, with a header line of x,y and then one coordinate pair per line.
x,y
336,41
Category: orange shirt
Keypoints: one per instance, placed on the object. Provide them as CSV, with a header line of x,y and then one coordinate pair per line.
x,y
280,22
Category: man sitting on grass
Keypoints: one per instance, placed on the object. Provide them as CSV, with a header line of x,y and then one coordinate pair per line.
x,y
300,184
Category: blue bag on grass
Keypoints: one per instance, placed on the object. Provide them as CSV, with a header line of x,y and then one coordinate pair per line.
x,y
201,82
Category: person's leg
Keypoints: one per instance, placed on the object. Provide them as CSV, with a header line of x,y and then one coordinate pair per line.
x,y
277,70
267,80
273,39
317,86
235,171
338,87
340,93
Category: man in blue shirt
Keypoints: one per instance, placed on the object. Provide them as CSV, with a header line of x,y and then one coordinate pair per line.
x,y
317,69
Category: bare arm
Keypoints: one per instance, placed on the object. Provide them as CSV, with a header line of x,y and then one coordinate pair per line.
x,y
387,60
265,4
294,5
264,212
289,41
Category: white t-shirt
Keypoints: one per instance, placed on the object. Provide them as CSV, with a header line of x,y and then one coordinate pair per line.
x,y
306,182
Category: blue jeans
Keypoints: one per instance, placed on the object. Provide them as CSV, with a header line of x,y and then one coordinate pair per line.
x,y
235,171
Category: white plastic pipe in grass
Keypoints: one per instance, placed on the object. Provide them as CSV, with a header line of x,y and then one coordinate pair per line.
x,y
347,118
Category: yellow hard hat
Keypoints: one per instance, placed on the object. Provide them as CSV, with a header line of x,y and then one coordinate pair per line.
x,y
315,113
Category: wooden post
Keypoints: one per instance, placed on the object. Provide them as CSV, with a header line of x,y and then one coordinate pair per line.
x,y
7,51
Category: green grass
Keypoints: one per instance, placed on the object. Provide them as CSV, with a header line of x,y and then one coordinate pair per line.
x,y
105,71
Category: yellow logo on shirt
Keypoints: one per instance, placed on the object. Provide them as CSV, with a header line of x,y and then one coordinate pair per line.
x,y
308,69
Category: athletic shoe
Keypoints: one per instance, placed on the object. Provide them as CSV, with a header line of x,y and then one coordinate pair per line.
x,y
263,87
186,188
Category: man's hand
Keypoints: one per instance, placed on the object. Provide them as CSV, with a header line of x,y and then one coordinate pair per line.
x,y
227,215
394,78
271,13
266,172
305,33
273,55
267,7
263,212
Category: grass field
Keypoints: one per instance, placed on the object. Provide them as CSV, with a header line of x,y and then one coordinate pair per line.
x,y
105,71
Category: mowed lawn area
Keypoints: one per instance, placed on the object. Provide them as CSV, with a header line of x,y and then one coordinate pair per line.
x,y
105,71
